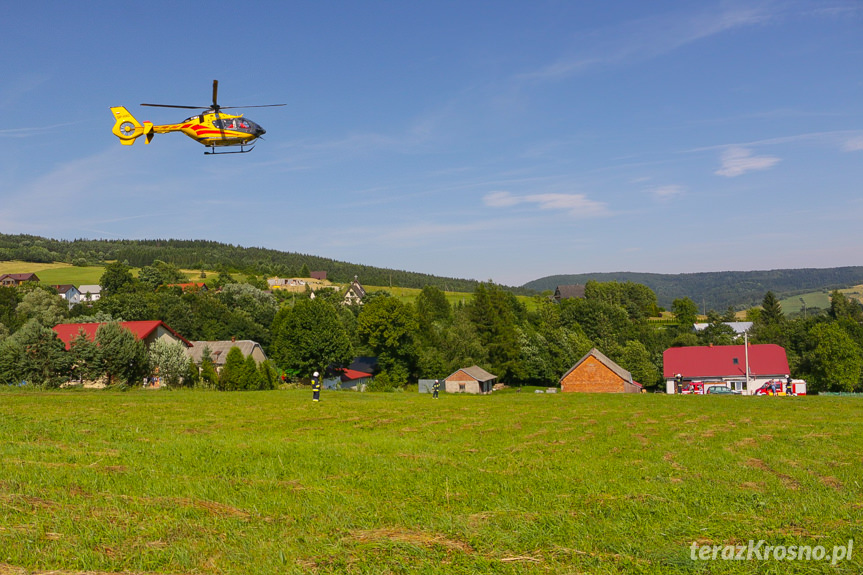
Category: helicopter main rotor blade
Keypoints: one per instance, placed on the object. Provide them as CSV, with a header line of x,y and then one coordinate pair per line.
x,y
263,106
173,106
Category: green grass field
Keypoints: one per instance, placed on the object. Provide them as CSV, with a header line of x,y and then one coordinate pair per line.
x,y
269,482
409,295
55,273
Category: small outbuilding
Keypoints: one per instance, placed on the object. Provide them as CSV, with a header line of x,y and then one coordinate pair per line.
x,y
596,373
472,379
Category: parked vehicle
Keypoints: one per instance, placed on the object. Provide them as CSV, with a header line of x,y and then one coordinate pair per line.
x,y
721,390
772,387
693,388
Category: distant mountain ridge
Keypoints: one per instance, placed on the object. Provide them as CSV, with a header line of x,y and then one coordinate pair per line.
x,y
719,290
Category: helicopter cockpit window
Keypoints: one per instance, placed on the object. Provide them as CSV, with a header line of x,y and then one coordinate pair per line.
x,y
239,124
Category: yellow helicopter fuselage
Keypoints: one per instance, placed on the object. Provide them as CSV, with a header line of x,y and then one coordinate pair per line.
x,y
208,128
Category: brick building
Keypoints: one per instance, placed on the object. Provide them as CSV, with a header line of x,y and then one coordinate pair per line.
x,y
595,373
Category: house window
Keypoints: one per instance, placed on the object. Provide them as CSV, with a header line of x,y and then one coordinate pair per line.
x,y
461,387
736,361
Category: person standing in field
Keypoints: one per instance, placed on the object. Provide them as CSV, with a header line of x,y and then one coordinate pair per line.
x,y
316,387
435,388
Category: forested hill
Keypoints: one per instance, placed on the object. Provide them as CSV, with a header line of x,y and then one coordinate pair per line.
x,y
719,290
203,254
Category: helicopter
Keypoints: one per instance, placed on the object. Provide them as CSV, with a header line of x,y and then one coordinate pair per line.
x,y
211,127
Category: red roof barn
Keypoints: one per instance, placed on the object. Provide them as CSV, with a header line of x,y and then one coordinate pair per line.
x,y
725,364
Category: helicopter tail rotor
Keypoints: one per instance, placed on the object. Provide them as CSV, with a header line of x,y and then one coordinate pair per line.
x,y
128,129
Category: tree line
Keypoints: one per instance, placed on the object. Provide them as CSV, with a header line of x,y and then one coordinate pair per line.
x,y
428,338
203,254
718,290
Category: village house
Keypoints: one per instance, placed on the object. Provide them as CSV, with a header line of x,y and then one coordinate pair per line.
x,y
346,378
90,292
188,287
146,331
355,294
739,327
69,293
568,292
219,351
472,379
14,280
596,373
743,368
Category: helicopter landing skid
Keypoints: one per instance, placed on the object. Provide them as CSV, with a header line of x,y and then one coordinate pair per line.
x,y
213,151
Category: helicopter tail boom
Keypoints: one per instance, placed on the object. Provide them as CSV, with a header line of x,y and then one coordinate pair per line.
x,y
128,129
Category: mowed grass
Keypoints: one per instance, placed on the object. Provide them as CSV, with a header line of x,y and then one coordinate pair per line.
x,y
269,482
55,273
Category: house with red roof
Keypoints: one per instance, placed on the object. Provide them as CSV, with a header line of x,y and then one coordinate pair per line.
x,y
14,280
743,368
188,287
147,331
347,378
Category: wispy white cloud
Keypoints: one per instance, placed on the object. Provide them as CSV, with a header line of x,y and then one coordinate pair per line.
x,y
33,131
853,145
15,89
736,161
577,205
666,193
650,37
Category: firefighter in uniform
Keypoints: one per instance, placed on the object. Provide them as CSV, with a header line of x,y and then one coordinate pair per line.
x,y
316,387
435,388
679,382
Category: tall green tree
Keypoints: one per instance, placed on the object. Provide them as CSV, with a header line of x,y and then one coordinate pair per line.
x,y
835,362
116,279
35,355
635,358
388,327
607,325
44,306
9,300
685,313
771,310
209,378
309,336
231,377
496,313
432,306
124,357
85,357
171,360
843,308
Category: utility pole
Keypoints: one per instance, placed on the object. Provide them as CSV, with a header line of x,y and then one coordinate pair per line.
x,y
746,347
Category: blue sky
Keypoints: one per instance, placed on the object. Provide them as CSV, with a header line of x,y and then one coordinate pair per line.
x,y
487,140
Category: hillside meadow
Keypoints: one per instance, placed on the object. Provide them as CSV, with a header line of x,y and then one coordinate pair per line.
x,y
268,482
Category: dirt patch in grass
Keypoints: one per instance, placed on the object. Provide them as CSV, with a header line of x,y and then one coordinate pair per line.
x,y
831,482
13,499
413,537
788,481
